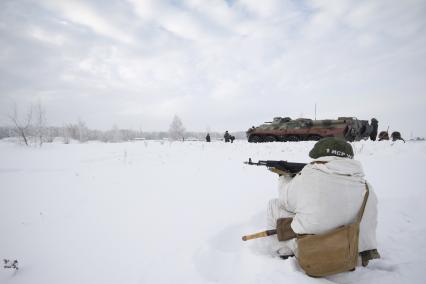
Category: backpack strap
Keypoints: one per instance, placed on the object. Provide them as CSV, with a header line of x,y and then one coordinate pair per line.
x,y
361,211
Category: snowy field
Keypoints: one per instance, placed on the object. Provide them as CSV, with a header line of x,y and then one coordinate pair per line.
x,y
161,212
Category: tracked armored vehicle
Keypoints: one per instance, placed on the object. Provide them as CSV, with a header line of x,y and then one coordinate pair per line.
x,y
302,129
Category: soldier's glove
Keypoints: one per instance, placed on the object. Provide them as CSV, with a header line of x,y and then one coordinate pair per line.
x,y
279,172
284,230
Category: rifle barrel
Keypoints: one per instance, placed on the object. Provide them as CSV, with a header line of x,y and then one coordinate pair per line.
x,y
285,166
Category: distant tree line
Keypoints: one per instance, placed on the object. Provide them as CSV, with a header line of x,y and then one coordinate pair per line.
x,y
79,132
32,129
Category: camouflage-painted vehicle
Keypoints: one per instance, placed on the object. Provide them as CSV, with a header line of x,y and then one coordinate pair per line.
x,y
302,129
360,129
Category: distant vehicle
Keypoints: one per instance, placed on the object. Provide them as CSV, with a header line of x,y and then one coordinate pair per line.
x,y
302,129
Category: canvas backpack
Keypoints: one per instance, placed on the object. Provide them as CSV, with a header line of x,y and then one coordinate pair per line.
x,y
332,252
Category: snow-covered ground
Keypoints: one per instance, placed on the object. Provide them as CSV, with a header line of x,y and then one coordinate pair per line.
x,y
161,212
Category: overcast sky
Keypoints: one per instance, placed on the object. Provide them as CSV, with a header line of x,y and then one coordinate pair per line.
x,y
216,64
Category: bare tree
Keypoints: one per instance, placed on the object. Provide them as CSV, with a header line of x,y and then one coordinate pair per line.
x,y
49,135
66,133
114,135
78,132
176,130
23,127
40,125
82,131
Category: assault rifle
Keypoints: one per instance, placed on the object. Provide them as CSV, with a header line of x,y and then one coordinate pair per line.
x,y
281,167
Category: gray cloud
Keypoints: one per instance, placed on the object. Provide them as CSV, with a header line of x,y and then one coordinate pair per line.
x,y
217,64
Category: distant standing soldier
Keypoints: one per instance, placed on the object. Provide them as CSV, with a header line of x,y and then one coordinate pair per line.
x,y
227,136
375,125
396,136
208,137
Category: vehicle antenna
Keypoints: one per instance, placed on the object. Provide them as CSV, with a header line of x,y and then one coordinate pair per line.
x,y
315,111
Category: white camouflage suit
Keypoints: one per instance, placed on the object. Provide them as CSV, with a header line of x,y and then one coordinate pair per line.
x,y
322,197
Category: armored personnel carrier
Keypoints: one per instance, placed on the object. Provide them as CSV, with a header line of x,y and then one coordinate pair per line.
x,y
302,129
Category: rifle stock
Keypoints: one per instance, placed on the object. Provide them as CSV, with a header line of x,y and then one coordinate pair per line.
x,y
259,235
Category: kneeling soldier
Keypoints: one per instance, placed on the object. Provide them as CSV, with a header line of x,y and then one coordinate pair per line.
x,y
326,194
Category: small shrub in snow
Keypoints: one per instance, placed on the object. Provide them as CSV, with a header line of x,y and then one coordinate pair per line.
x,y
10,264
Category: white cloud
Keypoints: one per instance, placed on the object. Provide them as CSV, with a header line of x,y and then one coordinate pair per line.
x,y
81,13
146,60
48,37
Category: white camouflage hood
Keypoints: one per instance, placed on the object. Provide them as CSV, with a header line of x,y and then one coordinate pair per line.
x,y
339,166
